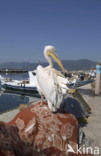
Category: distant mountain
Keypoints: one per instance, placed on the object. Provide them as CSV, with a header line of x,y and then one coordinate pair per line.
x,y
82,64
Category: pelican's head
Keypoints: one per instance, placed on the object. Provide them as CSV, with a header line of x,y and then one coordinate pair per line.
x,y
50,51
49,48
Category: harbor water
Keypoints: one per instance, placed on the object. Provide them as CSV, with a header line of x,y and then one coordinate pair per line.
x,y
11,100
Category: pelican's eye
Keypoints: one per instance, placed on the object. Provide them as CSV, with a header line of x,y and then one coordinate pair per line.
x,y
34,73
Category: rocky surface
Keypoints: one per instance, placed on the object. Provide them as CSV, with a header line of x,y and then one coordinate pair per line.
x,y
93,129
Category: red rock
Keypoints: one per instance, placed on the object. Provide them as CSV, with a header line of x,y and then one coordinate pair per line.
x,y
45,129
47,132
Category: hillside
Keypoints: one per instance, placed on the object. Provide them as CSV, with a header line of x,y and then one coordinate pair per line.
x,y
82,64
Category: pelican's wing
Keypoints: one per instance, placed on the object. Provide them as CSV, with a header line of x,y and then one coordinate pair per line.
x,y
63,82
49,86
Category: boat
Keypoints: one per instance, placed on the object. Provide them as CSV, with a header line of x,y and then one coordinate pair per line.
x,y
78,83
21,85
29,86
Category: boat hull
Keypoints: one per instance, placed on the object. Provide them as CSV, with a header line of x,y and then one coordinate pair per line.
x,y
20,88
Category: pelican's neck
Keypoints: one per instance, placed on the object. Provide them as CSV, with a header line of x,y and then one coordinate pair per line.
x,y
48,58
50,62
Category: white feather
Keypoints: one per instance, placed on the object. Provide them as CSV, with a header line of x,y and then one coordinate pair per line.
x,y
51,83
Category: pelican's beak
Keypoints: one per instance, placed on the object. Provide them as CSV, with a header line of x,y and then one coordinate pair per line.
x,y
57,60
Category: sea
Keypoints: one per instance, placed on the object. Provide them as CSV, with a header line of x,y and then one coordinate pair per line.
x,y
11,100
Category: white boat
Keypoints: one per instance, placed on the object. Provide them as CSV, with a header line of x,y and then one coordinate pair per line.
x,y
18,85
29,85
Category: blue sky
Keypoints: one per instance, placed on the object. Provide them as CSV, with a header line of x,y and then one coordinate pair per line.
x,y
72,26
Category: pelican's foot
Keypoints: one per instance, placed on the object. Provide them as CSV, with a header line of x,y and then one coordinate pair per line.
x,y
42,101
52,107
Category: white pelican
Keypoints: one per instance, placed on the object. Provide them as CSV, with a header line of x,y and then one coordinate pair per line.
x,y
50,82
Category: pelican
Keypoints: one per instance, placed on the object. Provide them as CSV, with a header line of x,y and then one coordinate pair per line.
x,y
50,82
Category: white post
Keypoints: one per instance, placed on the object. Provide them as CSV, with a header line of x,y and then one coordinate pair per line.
x,y
98,80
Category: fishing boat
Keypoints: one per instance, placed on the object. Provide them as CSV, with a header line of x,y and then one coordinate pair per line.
x,y
21,85
29,86
78,83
